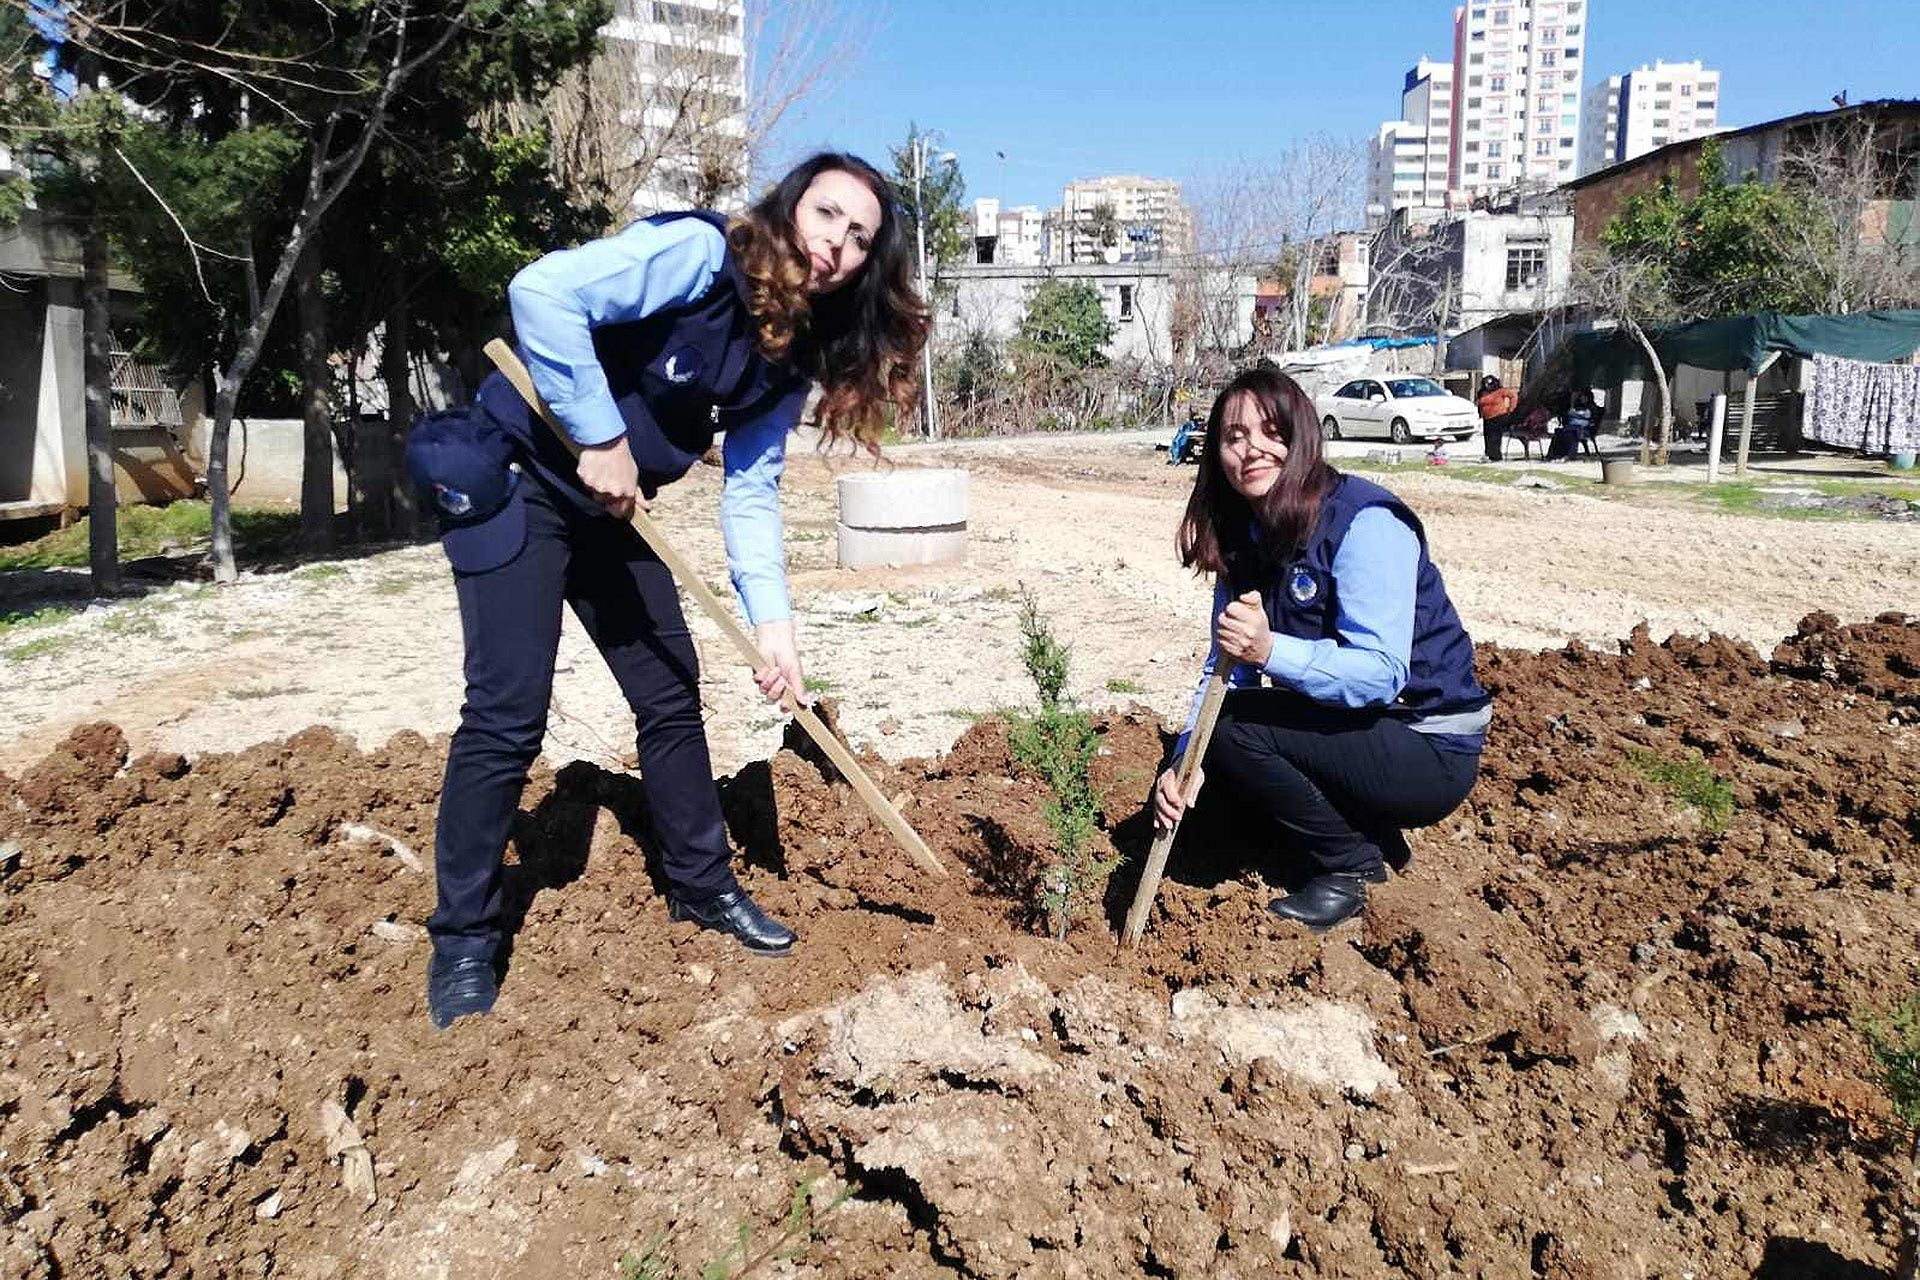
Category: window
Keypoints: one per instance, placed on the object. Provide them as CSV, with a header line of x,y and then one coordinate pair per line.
x,y
1496,83
1570,77
1663,104
1573,31
1473,168
1475,59
1493,171
1126,302
1706,104
1526,263
1543,147
1474,146
1493,150
1548,58
1473,104
1473,82
1573,55
1686,91
1502,17
1549,35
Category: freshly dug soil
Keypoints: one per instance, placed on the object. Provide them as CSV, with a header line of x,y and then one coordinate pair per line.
x,y
1598,1029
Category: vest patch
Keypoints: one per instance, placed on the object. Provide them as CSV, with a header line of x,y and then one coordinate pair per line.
x,y
683,366
1301,585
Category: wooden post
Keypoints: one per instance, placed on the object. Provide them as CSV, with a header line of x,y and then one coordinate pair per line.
x,y
1716,433
509,364
1196,751
1746,411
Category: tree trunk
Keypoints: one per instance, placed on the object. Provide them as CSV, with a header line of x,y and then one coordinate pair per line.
x,y
1657,427
396,367
316,464
103,548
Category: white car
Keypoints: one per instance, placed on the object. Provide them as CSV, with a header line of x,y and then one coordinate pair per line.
x,y
1403,409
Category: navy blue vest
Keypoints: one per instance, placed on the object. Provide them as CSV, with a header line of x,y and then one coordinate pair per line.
x,y
1305,602
677,377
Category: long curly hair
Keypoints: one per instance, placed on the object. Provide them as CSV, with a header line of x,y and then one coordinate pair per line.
x,y
1217,533
861,342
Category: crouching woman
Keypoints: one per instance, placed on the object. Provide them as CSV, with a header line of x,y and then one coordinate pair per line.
x,y
1370,720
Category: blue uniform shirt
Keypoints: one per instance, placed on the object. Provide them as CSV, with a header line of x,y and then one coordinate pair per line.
x,y
1367,666
650,267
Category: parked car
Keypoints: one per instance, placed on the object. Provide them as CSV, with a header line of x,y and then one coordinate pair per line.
x,y
1403,409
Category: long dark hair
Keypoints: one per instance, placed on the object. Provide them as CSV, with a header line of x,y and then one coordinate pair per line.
x,y
861,342
1216,535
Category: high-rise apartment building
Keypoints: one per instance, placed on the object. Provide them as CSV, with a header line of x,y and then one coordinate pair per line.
x,y
1517,68
1644,110
1408,158
1149,221
683,78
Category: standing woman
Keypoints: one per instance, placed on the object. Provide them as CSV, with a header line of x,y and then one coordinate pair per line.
x,y
645,345
1372,720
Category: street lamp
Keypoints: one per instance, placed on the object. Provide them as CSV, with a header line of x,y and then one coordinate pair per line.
x,y
920,233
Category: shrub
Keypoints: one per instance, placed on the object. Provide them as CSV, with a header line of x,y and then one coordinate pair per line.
x,y
1058,742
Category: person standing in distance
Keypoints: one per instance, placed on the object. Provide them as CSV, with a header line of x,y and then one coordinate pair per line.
x,y
1372,720
645,345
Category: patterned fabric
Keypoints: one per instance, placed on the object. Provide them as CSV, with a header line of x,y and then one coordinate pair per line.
x,y
1874,408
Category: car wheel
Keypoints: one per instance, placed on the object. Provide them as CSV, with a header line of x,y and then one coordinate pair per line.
x,y
1329,428
1402,434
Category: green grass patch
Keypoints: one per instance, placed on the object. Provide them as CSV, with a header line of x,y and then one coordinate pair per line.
x,y
819,684
37,647
321,572
143,531
15,622
134,620
394,585
1691,782
1125,686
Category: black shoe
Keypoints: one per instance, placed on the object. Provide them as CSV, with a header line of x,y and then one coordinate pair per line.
x,y
1325,900
735,913
458,986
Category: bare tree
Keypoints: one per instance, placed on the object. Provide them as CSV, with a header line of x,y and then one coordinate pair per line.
x,y
1406,277
1633,291
1274,217
1858,178
683,103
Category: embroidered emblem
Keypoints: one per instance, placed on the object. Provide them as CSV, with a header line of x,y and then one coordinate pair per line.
x,y
451,501
1301,585
682,366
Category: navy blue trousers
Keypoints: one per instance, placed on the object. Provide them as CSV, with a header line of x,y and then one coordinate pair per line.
x,y
1341,783
510,617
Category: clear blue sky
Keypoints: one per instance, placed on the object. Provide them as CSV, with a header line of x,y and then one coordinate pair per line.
x,y
1180,88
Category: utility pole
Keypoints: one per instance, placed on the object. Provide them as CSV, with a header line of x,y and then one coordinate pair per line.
x,y
926,294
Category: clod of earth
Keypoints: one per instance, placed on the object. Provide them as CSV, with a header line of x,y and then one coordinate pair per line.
x,y
1586,1035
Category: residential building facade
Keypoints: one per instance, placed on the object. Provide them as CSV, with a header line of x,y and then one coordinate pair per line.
x,y
1151,222
1409,157
1892,209
686,71
1627,116
1137,298
1518,66
1008,236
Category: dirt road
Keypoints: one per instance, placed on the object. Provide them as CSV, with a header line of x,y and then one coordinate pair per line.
x,y
372,646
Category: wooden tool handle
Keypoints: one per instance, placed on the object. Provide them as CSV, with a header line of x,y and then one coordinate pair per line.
x,y
1189,767
509,363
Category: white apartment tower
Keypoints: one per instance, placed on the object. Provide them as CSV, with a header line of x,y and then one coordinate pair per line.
x,y
1408,158
1516,83
685,73
1151,221
1630,115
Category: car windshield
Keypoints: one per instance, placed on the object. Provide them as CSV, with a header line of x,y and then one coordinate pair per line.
x,y
1408,388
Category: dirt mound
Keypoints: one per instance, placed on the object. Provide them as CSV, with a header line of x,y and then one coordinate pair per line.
x,y
1600,1028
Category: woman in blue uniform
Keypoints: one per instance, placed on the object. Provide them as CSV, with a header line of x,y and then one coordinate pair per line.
x,y
1371,720
646,345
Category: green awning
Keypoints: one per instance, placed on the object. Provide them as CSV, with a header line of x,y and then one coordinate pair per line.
x,y
1743,342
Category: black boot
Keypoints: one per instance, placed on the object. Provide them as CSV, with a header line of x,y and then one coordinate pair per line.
x,y
458,986
1325,900
735,913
